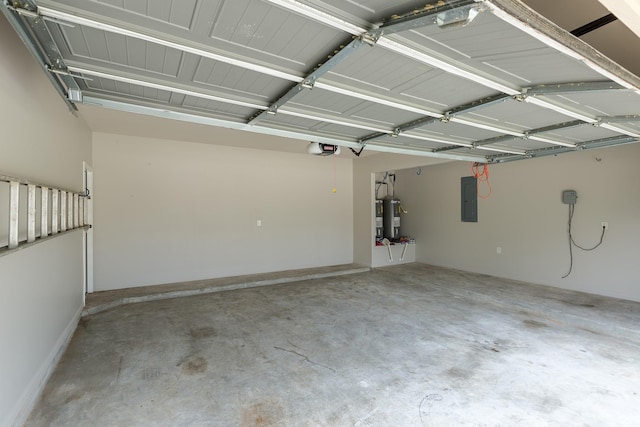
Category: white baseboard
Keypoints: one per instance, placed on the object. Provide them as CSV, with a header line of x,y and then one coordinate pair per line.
x,y
32,393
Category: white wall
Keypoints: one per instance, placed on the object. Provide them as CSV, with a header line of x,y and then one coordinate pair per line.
x,y
171,211
40,286
525,217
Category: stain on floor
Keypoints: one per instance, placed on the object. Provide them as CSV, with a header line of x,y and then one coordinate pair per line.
x,y
534,324
263,414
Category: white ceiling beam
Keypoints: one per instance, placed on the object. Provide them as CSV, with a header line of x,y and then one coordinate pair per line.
x,y
447,65
627,11
438,140
501,150
319,16
375,99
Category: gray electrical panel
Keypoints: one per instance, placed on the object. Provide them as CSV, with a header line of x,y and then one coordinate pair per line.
x,y
569,197
391,215
469,199
379,219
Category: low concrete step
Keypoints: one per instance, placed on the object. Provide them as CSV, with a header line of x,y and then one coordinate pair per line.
x,y
105,300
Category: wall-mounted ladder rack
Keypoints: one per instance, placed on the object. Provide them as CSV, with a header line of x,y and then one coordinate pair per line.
x,y
49,211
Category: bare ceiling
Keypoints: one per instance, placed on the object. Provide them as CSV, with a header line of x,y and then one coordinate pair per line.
x,y
486,81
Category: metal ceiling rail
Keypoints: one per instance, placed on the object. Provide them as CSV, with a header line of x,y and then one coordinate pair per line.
x,y
533,98
564,88
451,66
502,150
438,140
555,107
427,15
173,89
67,17
545,89
553,151
204,95
199,119
379,132
320,16
153,85
28,38
587,119
395,24
548,151
447,65
68,212
466,108
75,19
422,151
423,121
377,99
56,62
480,143
416,19
309,81
533,135
190,117
443,63
624,119
327,119
605,123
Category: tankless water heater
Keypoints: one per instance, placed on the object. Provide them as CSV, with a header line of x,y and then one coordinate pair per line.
x,y
391,212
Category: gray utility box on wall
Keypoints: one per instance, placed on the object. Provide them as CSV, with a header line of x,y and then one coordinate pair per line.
x,y
569,197
391,212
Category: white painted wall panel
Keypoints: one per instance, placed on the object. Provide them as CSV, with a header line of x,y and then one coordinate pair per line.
x,y
41,286
526,219
171,211
40,303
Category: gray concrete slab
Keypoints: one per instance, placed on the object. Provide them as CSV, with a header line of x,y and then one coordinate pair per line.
x,y
411,345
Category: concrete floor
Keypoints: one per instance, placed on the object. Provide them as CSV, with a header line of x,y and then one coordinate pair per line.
x,y
412,345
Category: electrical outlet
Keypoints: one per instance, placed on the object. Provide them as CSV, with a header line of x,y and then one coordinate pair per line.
x,y
605,225
498,250
259,223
